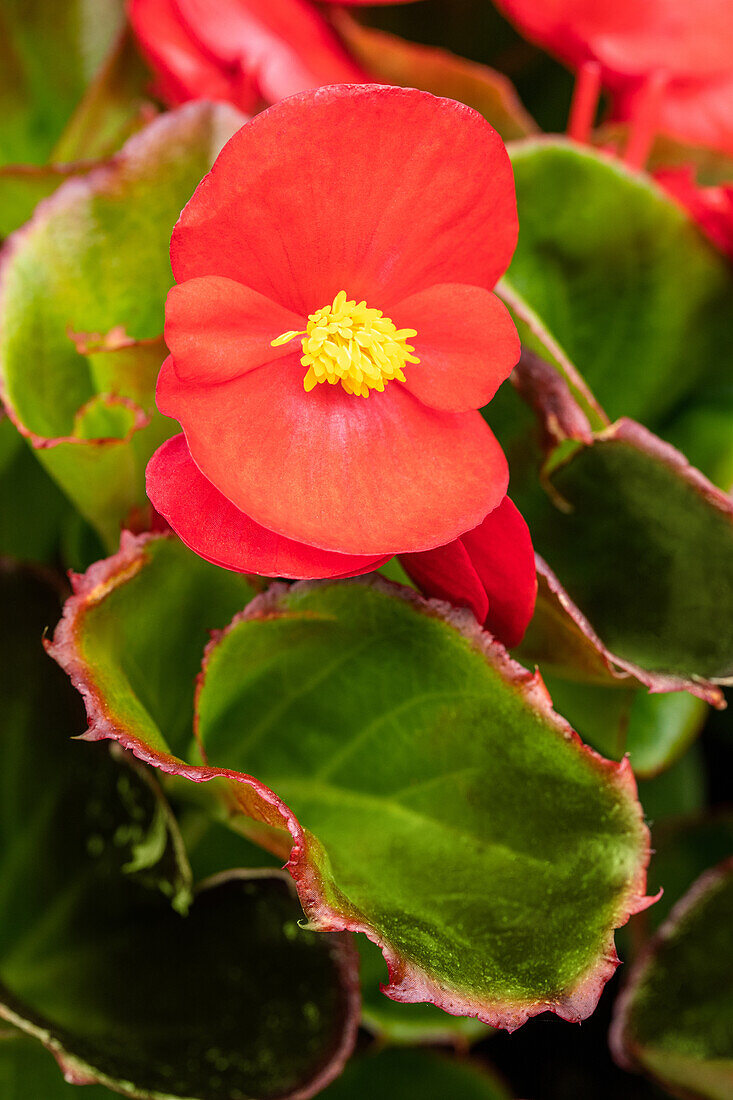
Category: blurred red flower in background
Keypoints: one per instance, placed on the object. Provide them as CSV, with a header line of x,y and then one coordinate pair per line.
x,y
308,256
710,207
245,52
677,51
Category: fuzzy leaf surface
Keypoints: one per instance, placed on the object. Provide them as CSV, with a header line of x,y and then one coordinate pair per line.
x,y
104,956
94,260
618,278
404,762
674,1019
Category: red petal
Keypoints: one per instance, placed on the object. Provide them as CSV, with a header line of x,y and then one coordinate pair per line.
x,y
631,37
286,45
368,476
218,329
710,207
696,112
377,191
498,556
447,573
214,529
466,342
183,69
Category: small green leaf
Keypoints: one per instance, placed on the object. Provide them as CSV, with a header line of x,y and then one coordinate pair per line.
x,y
618,277
49,51
94,260
655,730
415,1075
703,430
674,1019
413,772
684,847
103,957
643,543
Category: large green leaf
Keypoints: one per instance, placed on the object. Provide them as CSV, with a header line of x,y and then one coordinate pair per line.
x,y
94,260
414,1075
618,277
412,771
103,955
675,1017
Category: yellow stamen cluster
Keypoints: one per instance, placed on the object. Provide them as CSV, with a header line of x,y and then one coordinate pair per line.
x,y
349,343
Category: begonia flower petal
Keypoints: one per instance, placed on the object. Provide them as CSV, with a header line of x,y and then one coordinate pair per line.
x,y
184,71
498,559
710,207
466,342
215,530
286,45
447,573
217,329
695,112
368,476
303,202
631,37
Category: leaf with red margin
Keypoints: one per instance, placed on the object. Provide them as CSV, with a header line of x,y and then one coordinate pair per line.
x,y
111,110
94,259
643,543
218,997
394,60
674,1017
608,616
419,776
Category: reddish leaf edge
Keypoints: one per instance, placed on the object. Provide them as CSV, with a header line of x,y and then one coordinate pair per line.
x,y
101,177
656,683
76,1071
624,1050
407,983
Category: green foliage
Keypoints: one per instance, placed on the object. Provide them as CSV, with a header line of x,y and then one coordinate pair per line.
x,y
95,261
104,955
619,278
411,752
414,1075
675,1017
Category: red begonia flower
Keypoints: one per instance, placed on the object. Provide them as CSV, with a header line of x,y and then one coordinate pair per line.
x,y
490,569
240,51
687,45
309,237
710,207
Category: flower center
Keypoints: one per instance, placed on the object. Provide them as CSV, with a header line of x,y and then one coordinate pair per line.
x,y
349,343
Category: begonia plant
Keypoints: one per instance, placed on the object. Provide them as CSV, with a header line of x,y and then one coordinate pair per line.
x,y
366,550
